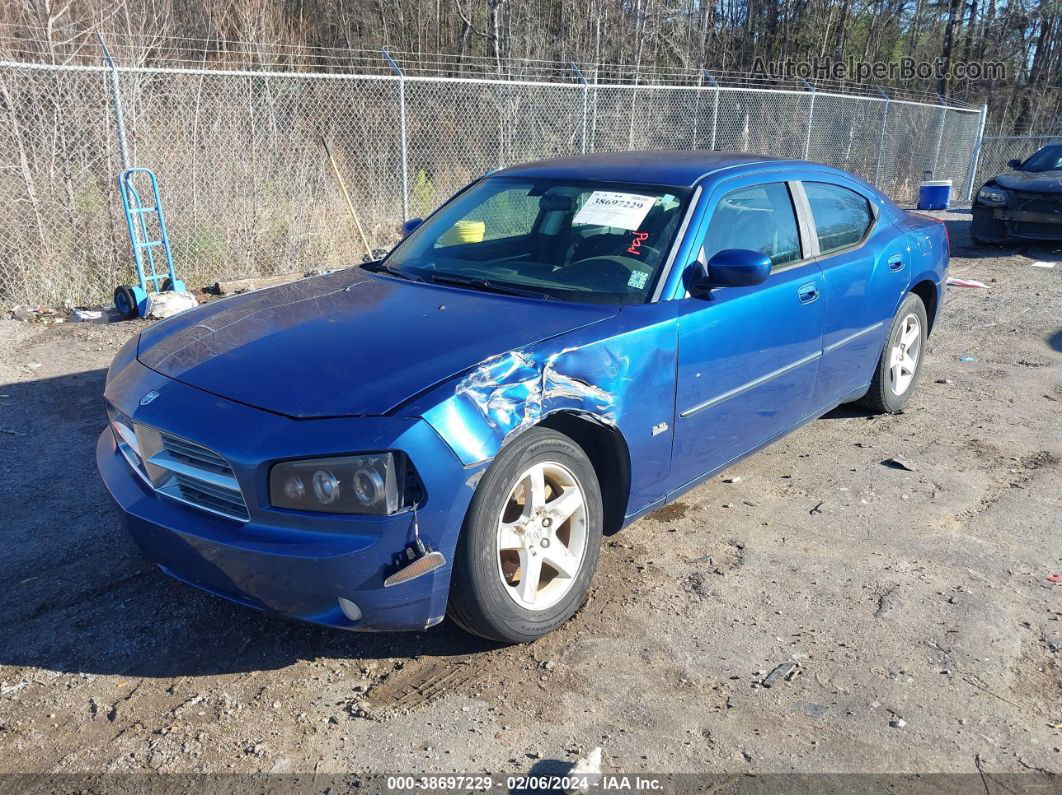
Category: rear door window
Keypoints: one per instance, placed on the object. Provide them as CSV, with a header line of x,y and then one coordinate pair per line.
x,y
842,217
758,218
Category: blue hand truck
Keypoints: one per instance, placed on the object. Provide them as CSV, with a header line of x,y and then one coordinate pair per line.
x,y
143,221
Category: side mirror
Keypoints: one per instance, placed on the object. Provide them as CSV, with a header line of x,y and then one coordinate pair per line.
x,y
1014,164
731,267
410,225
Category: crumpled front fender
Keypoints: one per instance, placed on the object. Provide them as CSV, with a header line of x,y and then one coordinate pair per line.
x,y
620,373
516,390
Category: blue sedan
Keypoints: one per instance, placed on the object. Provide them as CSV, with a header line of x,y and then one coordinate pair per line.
x,y
561,348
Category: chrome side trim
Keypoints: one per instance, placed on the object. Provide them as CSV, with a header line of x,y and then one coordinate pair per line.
x,y
763,379
835,345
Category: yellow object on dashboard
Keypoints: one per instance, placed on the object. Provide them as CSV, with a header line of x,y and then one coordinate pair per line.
x,y
464,232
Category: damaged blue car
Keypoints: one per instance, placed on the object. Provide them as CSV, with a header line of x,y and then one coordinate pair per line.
x,y
561,348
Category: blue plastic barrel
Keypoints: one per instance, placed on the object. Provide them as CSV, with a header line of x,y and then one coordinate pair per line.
x,y
934,194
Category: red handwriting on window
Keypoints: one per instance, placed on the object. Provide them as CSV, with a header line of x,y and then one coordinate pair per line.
x,y
639,238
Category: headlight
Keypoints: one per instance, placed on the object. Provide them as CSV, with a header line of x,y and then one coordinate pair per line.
x,y
992,196
375,483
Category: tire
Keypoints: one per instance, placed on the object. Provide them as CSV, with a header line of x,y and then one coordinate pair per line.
x,y
891,388
125,302
487,589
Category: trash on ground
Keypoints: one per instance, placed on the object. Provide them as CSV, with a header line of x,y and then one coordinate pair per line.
x,y
897,723
782,672
1055,579
953,282
896,462
586,771
168,304
967,358
86,316
1043,264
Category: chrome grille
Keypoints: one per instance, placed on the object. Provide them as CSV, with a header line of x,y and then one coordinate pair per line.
x,y
181,469
194,454
208,496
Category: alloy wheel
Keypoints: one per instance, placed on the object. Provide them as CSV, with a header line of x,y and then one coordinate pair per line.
x,y
542,536
903,358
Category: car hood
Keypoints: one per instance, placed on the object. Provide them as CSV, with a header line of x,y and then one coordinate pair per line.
x,y
1036,181
347,343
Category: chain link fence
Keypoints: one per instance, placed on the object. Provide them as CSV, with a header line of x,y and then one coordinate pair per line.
x,y
995,151
247,187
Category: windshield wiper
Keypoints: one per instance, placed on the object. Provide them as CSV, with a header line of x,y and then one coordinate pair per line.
x,y
379,267
488,285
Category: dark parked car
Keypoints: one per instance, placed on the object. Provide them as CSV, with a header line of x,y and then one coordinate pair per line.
x,y
1025,204
561,348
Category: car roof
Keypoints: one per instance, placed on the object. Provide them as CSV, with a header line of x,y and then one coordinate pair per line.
x,y
676,168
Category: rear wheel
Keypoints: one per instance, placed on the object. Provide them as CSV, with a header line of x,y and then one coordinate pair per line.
x,y
531,540
900,363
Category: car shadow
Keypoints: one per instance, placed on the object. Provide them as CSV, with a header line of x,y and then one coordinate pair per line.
x,y
848,411
80,598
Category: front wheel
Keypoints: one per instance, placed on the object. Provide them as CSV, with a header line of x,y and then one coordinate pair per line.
x,y
531,540
900,363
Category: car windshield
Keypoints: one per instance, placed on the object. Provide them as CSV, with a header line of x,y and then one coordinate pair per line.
x,y
1047,159
573,241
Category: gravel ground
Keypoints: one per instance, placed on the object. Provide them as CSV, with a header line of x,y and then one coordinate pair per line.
x,y
915,602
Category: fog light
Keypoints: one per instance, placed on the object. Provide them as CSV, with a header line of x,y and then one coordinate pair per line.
x,y
350,610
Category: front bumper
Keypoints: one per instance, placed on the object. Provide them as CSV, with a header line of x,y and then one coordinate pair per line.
x,y
998,224
292,563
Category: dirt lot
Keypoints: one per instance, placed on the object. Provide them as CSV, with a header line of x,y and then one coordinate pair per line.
x,y
915,596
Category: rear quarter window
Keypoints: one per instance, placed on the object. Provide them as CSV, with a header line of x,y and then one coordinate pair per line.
x,y
842,216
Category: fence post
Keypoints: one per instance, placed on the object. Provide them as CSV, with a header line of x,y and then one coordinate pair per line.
x,y
401,131
881,137
811,117
940,135
586,97
975,155
697,109
116,96
715,106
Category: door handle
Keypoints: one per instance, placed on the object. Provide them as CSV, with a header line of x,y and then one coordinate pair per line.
x,y
807,293
895,263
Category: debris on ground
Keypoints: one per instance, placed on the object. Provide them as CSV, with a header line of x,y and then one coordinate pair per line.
x,y
782,672
897,462
967,358
170,303
1042,264
1056,579
953,282
897,723
86,316
586,771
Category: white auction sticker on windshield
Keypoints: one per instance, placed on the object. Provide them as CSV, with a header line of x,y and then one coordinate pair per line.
x,y
619,210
